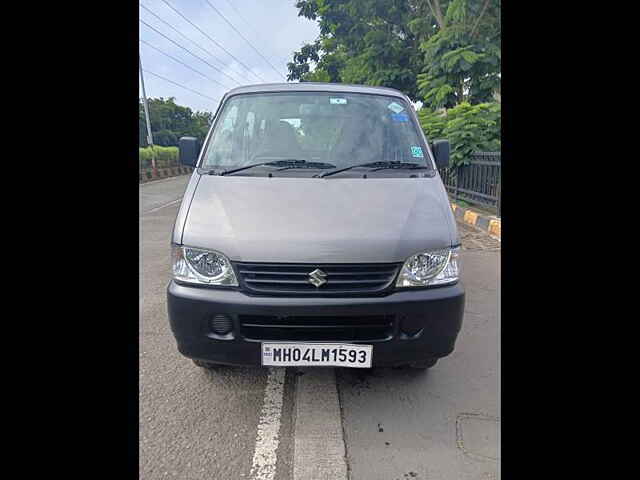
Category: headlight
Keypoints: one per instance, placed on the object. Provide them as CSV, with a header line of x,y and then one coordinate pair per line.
x,y
203,267
438,267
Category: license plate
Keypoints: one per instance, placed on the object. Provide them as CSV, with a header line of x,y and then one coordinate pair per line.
x,y
316,354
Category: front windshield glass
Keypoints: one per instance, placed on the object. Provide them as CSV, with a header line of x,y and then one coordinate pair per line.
x,y
342,129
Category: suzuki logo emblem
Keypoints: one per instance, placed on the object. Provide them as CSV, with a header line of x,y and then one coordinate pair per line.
x,y
317,277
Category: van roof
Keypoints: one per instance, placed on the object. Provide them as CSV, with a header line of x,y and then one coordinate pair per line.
x,y
314,87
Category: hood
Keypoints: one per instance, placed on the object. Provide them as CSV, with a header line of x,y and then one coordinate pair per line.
x,y
311,220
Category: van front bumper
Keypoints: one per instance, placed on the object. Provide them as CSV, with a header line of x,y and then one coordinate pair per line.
x,y
433,318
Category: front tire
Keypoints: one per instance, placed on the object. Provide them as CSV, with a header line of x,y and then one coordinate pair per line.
x,y
207,365
424,364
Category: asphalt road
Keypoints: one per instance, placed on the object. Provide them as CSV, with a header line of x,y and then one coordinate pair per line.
x,y
236,423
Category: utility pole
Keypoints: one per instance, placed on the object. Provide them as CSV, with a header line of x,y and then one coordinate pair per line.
x,y
146,114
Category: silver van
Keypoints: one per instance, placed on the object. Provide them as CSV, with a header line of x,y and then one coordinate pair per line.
x,y
315,231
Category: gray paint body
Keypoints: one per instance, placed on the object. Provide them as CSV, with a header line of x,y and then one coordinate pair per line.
x,y
315,220
313,87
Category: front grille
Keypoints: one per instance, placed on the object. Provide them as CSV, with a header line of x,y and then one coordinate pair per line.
x,y
316,328
293,279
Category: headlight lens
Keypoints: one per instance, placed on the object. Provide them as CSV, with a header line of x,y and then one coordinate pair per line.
x,y
203,267
437,267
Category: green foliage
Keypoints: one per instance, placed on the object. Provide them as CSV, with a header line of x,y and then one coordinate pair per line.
x,y
469,128
170,121
441,52
462,59
361,41
165,156
318,76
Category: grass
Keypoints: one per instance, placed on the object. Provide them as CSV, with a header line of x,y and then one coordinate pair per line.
x,y
461,203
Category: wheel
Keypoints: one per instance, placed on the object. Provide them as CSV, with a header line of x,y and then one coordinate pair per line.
x,y
424,364
207,365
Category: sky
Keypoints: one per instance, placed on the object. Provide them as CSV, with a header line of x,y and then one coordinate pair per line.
x,y
271,26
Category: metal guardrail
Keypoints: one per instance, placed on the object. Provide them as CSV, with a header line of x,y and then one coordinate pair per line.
x,y
478,182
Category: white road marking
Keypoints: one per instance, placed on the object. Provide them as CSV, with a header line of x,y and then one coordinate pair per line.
x,y
319,450
163,206
264,456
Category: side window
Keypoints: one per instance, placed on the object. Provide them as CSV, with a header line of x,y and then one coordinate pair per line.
x,y
221,150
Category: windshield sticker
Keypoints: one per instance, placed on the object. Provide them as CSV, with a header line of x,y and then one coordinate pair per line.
x,y
416,152
338,101
399,117
395,107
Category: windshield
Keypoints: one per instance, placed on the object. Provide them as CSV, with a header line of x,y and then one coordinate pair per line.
x,y
340,129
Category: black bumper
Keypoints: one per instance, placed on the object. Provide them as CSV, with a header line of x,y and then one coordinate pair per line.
x,y
435,313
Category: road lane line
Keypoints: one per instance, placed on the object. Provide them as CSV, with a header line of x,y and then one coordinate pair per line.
x,y
319,451
264,456
173,202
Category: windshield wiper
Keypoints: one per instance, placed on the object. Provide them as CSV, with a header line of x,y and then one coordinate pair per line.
x,y
376,166
288,162
309,165
410,165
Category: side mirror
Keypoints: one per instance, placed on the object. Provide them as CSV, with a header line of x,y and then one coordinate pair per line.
x,y
189,150
440,149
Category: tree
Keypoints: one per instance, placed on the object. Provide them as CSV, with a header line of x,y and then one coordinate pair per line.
x,y
170,121
441,52
469,128
461,59
361,41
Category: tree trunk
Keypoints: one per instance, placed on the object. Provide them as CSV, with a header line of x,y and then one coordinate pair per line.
x,y
437,12
475,25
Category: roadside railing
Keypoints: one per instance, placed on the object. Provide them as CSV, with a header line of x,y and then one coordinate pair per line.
x,y
165,167
151,174
160,163
476,183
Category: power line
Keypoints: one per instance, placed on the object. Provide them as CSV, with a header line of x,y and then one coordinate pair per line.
x,y
199,46
244,38
251,27
179,85
225,50
188,51
194,42
181,62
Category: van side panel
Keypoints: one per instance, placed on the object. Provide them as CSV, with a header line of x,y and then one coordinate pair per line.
x,y
178,225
